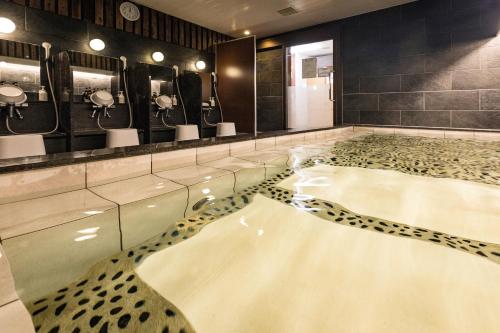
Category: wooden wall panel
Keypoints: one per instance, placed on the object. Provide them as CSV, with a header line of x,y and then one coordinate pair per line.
x,y
152,24
109,14
119,24
145,22
153,19
168,28
63,7
35,4
76,9
235,62
161,26
19,50
49,5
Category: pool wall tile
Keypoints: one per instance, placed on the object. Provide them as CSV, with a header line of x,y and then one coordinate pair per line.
x,y
487,136
144,219
267,143
173,159
14,318
298,138
310,137
211,153
216,188
109,171
39,183
144,187
285,140
242,147
459,134
47,212
63,253
7,289
406,131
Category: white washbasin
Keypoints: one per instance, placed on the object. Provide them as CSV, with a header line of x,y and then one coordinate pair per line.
x,y
121,137
186,132
226,129
22,145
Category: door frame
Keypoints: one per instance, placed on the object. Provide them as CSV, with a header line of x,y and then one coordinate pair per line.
x,y
321,32
337,77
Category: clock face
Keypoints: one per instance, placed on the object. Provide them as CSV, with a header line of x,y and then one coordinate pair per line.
x,y
130,11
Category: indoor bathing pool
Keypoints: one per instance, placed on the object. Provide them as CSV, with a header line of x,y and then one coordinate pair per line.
x,y
373,233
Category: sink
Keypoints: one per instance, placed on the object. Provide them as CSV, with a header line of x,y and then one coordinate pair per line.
x,y
122,137
22,145
186,132
226,129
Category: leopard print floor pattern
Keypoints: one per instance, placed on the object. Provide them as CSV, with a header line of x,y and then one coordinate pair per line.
x,y
111,298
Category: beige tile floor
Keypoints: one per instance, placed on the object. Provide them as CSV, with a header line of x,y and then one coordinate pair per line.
x,y
274,268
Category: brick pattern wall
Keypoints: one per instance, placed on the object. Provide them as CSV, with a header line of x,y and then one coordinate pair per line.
x,y
431,63
270,115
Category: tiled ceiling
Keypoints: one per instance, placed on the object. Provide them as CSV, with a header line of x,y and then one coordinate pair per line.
x,y
261,17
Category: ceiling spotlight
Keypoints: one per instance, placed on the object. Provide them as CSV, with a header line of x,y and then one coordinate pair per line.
x,y
247,32
200,65
6,25
97,45
158,56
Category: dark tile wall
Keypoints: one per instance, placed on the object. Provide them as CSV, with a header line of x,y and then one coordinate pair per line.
x,y
270,85
432,63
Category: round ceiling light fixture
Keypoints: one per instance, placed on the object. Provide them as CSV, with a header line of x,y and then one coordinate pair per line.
x,y
158,56
97,44
247,32
200,65
6,25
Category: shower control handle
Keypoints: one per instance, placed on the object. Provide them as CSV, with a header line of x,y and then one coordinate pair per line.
x,y
19,115
94,112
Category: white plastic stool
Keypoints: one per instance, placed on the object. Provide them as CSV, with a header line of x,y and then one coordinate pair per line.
x,y
12,146
226,129
121,137
186,132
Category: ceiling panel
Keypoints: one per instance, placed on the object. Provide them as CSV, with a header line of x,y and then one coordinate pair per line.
x,y
261,17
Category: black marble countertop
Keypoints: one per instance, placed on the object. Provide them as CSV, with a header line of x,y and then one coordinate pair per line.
x,y
60,159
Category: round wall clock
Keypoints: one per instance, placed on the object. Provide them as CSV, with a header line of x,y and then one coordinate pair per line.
x,y
130,11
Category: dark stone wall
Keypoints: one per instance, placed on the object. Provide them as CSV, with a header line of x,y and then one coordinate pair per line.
x,y
270,87
432,63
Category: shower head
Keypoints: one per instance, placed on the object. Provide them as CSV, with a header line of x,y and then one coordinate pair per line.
x,y
214,76
47,46
176,69
124,60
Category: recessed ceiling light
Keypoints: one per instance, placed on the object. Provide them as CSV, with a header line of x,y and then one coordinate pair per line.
x,y
6,25
158,56
200,65
97,45
247,32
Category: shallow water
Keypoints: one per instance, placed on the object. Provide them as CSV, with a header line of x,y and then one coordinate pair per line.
x,y
379,233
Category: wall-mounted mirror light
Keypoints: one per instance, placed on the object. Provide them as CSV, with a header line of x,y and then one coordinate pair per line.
x,y
6,25
97,45
158,56
200,65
